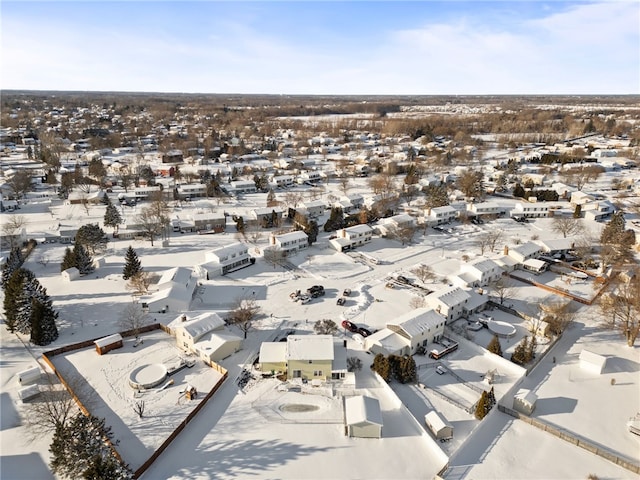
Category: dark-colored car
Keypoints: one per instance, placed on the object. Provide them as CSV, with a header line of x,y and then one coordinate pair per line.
x,y
346,292
316,291
402,279
364,332
349,326
341,301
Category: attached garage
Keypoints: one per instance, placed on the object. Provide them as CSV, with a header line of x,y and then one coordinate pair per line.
x,y
363,418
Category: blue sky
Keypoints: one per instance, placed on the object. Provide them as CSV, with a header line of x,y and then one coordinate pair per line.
x,y
356,47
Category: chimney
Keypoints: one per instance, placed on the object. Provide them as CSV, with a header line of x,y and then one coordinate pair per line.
x,y
506,250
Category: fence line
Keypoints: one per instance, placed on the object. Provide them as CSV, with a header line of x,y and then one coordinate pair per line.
x,y
569,437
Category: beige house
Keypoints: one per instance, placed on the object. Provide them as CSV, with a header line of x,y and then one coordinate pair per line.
x,y
190,329
308,357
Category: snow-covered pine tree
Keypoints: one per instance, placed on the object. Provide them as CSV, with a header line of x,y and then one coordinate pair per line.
x,y
112,217
79,450
68,261
28,290
12,293
13,263
43,322
132,265
84,262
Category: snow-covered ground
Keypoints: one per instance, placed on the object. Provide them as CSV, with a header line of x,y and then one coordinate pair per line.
x,y
243,433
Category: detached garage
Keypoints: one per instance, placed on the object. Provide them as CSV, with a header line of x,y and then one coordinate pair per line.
x,y
440,429
363,417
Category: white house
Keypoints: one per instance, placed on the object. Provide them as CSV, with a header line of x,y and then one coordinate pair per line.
x,y
290,243
223,260
189,328
267,213
363,417
312,176
281,181
478,273
175,291
598,211
239,187
352,237
484,209
191,190
406,334
314,208
450,303
521,253
530,210
440,215
388,225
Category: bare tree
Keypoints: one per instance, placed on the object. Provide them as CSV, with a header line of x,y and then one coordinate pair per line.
x,y
424,273
133,318
139,283
354,364
54,407
11,228
243,314
20,183
292,199
567,226
417,302
274,256
325,327
621,306
138,408
404,234
488,240
503,289
558,313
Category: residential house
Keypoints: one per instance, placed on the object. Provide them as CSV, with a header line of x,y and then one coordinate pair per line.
x,y
598,211
314,208
440,215
477,273
352,237
451,303
523,252
190,328
307,357
201,222
173,156
530,210
268,217
484,209
281,181
290,243
407,333
395,223
223,260
174,292
191,190
240,187
312,176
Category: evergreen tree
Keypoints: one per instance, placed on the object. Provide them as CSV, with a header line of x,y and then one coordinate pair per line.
x,y
68,261
335,221
481,411
84,262
409,372
577,212
112,217
79,450
13,263
494,346
312,231
43,323
12,294
91,237
519,354
518,191
132,265
28,290
381,367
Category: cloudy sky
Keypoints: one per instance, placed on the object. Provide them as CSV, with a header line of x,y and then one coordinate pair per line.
x,y
331,47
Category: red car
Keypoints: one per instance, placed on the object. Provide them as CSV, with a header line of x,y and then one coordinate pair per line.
x,y
349,326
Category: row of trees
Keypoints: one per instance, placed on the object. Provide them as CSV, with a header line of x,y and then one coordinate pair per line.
x,y
401,368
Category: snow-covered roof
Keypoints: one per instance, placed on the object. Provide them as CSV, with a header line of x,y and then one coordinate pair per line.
x,y
273,352
557,244
389,340
216,341
179,275
362,410
451,296
103,342
482,265
225,251
199,325
534,263
527,396
435,420
417,321
526,249
287,237
310,347
363,228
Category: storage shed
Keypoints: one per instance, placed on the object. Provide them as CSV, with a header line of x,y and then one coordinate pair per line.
x,y
525,401
27,393
592,362
106,344
70,274
31,375
440,429
363,418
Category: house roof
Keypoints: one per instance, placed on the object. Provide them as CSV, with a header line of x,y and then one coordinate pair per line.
x,y
451,296
534,263
310,347
299,234
359,229
481,265
362,410
273,352
391,341
179,275
526,249
200,325
226,250
435,420
418,321
216,341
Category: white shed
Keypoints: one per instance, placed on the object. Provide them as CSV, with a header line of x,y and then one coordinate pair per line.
x,y
70,274
525,401
27,393
592,362
31,375
363,417
437,425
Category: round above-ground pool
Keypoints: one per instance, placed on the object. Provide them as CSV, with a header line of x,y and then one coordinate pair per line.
x,y
148,376
501,329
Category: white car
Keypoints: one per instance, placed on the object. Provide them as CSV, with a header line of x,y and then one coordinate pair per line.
x,y
305,299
